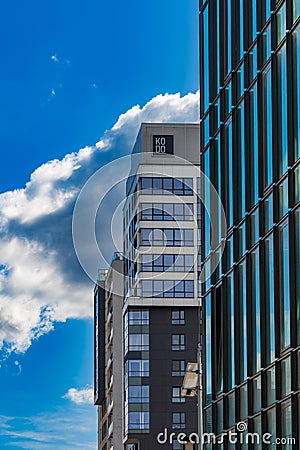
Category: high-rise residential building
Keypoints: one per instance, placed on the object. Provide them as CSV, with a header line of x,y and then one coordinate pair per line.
x,y
108,347
161,303
250,149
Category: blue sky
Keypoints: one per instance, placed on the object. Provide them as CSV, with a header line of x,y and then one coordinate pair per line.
x,y
72,76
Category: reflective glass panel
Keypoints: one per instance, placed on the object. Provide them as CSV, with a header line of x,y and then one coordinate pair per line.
x,y
284,284
282,143
296,87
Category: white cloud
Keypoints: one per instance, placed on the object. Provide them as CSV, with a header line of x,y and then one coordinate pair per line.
x,y
80,396
41,281
54,58
67,428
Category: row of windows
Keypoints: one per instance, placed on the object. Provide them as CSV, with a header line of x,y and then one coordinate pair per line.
x,y
140,342
141,317
137,317
140,368
217,20
263,330
141,421
166,262
165,185
257,224
168,288
278,421
170,237
141,394
272,385
167,211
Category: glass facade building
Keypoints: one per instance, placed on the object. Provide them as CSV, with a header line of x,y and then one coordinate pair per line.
x,y
250,150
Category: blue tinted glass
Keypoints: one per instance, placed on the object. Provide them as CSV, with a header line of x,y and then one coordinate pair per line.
x,y
230,185
205,58
283,197
266,47
270,310
267,118
231,350
285,285
256,310
296,96
296,10
206,130
281,23
282,111
241,31
228,25
243,326
208,353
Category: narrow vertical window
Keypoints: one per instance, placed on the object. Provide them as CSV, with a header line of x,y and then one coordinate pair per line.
x,y
208,352
282,142
255,313
267,127
296,88
269,300
284,284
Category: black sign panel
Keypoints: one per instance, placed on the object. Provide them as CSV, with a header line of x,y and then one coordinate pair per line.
x,y
163,144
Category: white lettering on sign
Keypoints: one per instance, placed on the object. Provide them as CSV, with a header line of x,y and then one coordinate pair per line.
x,y
160,145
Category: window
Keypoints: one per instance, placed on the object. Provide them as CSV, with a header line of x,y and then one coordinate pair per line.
x,y
255,305
176,445
208,353
271,386
296,10
178,368
138,342
167,211
283,197
166,262
296,87
178,342
138,317
269,315
177,186
286,414
281,23
256,385
168,288
138,394
286,386
138,367
252,149
170,237
139,420
178,420
176,395
282,143
178,317
267,126
284,284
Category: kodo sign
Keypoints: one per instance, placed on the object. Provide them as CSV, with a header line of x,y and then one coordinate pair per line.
x,y
163,144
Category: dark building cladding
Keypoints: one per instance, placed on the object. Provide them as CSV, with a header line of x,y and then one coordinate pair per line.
x,y
99,343
165,376
250,149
